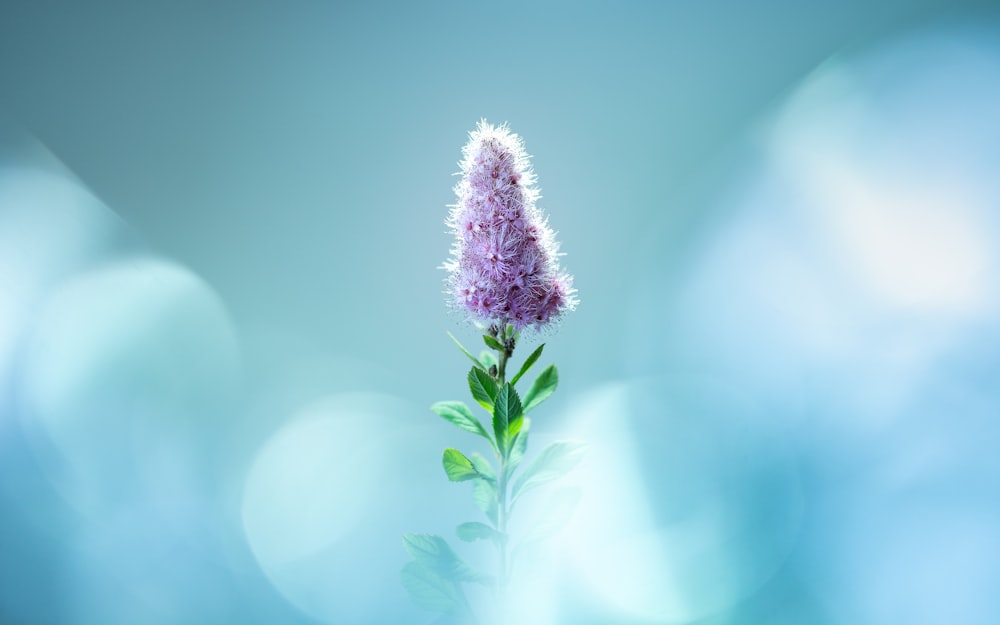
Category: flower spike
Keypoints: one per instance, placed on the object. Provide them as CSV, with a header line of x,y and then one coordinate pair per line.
x,y
504,265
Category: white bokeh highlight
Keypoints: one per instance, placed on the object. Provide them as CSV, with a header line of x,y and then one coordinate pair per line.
x,y
49,226
130,372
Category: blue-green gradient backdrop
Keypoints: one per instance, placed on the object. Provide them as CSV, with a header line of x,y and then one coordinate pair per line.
x,y
222,319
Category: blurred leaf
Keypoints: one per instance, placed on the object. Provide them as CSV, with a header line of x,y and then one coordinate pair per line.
x,y
484,488
483,388
435,554
483,466
484,493
492,343
457,466
543,386
488,359
506,411
556,512
518,446
459,414
427,549
474,530
555,461
430,591
532,358
464,351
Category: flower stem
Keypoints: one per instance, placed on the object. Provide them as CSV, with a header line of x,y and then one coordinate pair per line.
x,y
502,528
503,354
502,512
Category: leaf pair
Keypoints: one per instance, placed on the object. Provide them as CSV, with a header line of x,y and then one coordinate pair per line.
x,y
485,392
503,402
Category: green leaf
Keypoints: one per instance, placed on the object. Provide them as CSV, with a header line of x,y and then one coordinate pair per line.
x,y
434,553
543,386
457,466
506,413
488,359
474,530
492,343
483,387
553,462
458,413
514,427
430,591
464,351
535,355
518,446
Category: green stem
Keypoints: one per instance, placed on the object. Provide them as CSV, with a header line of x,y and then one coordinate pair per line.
x,y
503,355
502,528
502,511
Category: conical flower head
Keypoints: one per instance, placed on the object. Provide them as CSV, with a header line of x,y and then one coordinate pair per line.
x,y
504,265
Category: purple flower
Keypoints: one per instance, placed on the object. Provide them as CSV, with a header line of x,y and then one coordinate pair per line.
x,y
504,265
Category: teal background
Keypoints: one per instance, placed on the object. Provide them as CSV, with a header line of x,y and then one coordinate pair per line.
x,y
221,318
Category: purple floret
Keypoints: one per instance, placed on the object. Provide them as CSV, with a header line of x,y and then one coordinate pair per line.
x,y
504,265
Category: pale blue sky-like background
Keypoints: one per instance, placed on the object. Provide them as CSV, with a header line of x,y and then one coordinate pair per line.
x,y
221,318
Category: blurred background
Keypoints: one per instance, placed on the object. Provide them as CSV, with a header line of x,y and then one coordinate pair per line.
x,y
222,319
